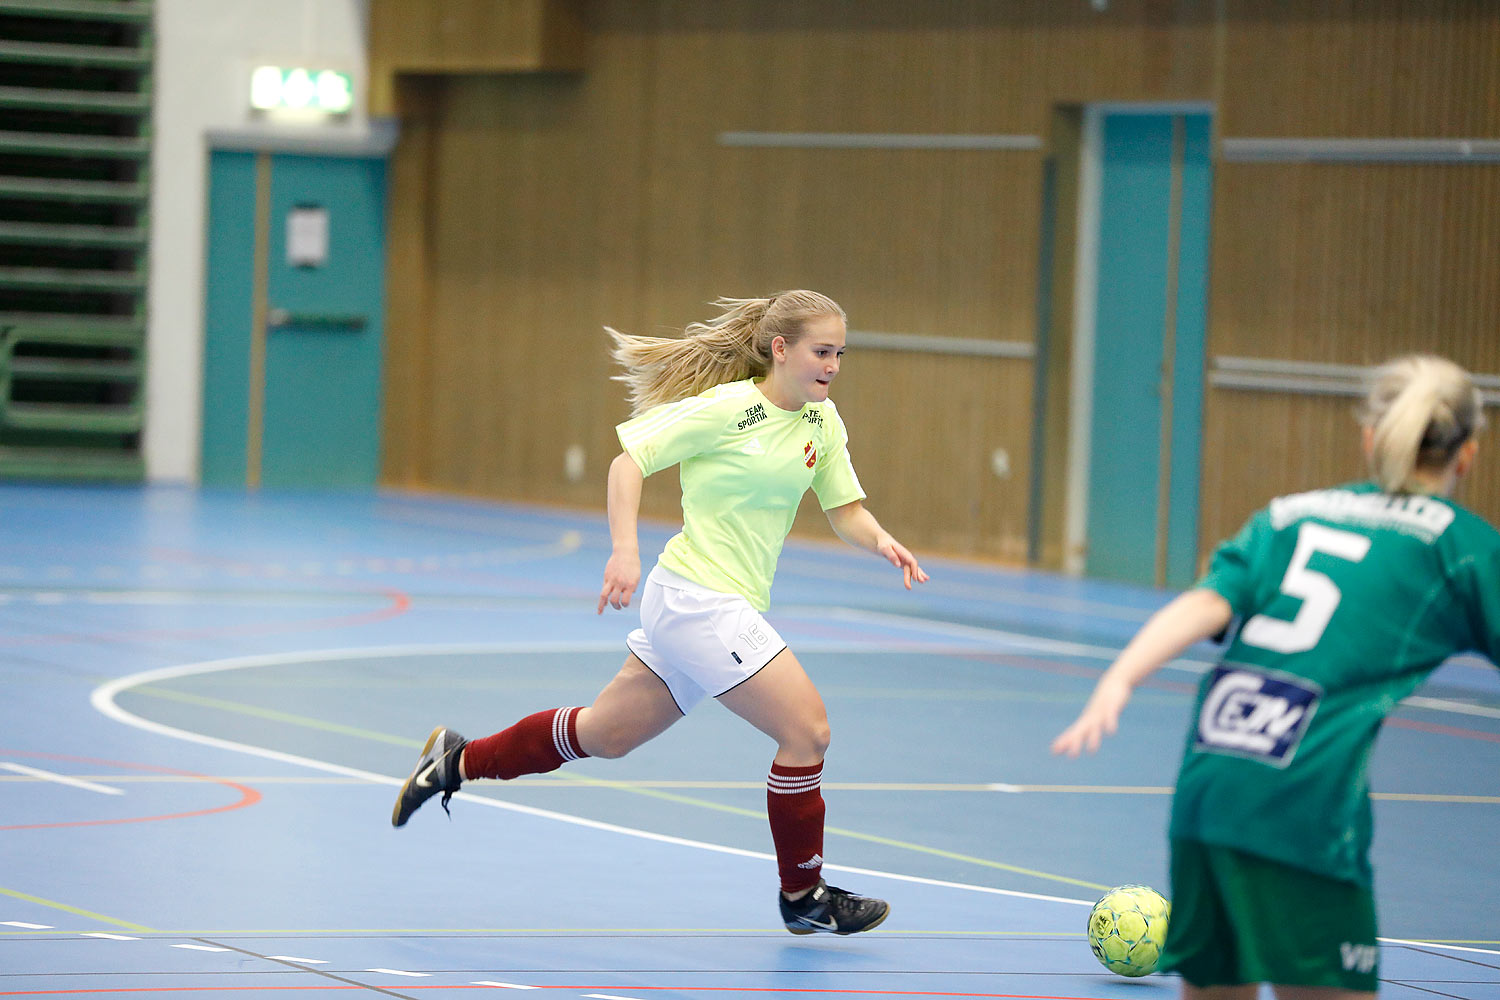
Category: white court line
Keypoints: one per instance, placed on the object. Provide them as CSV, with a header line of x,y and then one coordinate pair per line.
x,y
1037,644
503,986
110,937
199,947
401,972
61,779
301,961
1106,653
25,926
102,698
803,563
1444,705
1445,947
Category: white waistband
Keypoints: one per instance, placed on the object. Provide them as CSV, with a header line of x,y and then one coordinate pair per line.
x,y
676,581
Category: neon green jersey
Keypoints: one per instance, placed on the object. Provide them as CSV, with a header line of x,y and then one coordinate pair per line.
x,y
745,464
1349,597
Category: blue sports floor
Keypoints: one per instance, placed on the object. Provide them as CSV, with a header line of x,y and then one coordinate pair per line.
x,y
207,701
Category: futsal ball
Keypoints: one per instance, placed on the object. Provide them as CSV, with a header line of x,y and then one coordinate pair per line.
x,y
1127,929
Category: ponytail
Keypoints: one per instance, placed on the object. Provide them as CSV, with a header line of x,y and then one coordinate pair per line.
x,y
732,346
1421,408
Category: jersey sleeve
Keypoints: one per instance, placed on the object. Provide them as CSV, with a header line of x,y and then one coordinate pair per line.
x,y
1483,599
1232,574
665,435
834,480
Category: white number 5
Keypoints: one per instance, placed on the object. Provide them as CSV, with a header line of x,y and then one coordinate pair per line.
x,y
1320,596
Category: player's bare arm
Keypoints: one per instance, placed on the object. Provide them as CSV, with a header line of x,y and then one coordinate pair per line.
x,y
857,526
622,573
1190,617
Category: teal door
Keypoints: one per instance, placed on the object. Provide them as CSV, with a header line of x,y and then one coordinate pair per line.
x,y
1150,317
294,304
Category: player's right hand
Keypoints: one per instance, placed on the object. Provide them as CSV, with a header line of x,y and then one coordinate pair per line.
x,y
622,574
1099,718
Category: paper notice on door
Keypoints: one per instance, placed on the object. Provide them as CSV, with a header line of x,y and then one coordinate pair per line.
x,y
307,236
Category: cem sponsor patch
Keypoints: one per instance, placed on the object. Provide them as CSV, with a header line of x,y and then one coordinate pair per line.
x,y
1254,714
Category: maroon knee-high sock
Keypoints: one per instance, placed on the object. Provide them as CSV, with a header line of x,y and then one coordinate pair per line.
x,y
794,803
537,744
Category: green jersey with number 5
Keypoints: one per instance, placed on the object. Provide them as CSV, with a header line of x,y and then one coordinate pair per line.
x,y
1348,598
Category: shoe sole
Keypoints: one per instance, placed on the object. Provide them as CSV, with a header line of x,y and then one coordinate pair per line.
x,y
396,819
799,931
870,927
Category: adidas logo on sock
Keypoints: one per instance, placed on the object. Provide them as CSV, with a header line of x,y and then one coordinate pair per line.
x,y
816,861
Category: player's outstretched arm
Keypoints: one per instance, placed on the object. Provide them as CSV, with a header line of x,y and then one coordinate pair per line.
x,y
622,573
858,527
1190,617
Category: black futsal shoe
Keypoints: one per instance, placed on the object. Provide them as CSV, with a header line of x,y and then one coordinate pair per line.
x,y
830,910
436,771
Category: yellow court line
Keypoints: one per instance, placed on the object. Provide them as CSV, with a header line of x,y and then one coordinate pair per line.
x,y
74,910
1420,797
635,784
622,783
638,788
875,786
640,931
840,831
275,716
650,792
702,931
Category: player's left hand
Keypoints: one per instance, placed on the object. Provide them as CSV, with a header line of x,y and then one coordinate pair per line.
x,y
902,558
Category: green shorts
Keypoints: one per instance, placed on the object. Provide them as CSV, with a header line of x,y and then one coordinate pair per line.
x,y
1238,918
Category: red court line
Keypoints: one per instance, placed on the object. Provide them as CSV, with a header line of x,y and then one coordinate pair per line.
x,y
1433,727
1023,662
248,796
805,989
1063,668
632,989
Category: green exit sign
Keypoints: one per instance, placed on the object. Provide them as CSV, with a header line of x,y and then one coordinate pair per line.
x,y
282,88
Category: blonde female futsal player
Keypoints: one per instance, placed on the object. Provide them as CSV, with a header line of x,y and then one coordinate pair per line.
x,y
1349,597
741,404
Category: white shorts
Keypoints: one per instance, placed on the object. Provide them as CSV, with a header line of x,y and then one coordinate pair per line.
x,y
700,642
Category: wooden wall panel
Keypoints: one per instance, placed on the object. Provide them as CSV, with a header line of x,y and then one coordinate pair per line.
x,y
1342,263
1350,263
563,204
470,36
1362,68
923,435
892,65
516,333
557,203
405,433
1354,262
1259,445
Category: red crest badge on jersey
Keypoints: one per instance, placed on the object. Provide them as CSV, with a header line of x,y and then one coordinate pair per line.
x,y
811,453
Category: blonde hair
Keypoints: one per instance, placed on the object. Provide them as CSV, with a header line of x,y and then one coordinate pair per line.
x,y
734,345
1422,408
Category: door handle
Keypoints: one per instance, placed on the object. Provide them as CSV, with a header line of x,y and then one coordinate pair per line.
x,y
285,319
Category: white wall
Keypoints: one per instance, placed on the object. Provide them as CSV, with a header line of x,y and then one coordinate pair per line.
x,y
205,50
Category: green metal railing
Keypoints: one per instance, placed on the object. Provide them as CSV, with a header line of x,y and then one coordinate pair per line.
x,y
74,185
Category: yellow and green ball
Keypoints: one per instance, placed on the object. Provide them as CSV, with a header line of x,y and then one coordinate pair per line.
x,y
1127,929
